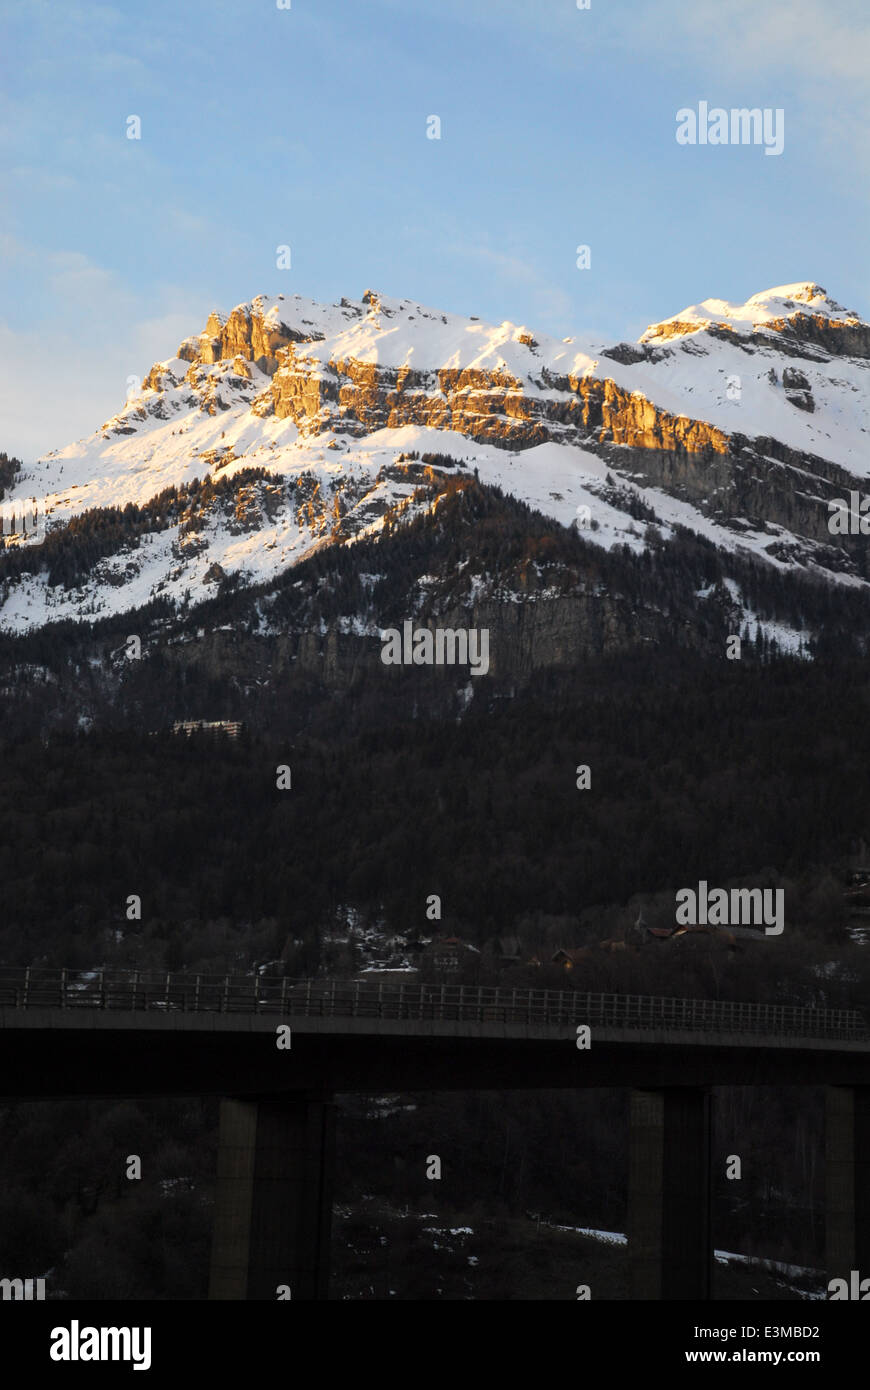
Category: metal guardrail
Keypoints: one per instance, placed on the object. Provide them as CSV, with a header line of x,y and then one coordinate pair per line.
x,y
127,990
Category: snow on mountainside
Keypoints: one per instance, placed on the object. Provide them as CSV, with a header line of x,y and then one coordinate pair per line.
x,y
739,422
791,322
769,309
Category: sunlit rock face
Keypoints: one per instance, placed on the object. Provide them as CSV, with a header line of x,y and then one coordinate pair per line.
x,y
300,422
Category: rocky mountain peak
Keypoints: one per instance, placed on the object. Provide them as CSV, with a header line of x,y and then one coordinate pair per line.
x,y
802,313
311,417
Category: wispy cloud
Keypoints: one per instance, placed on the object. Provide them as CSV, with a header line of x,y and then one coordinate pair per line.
x,y
824,42
36,179
821,41
66,370
551,301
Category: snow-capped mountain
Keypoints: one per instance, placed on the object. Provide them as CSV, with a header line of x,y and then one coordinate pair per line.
x,y
289,425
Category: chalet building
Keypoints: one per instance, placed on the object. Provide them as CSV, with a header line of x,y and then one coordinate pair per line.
x,y
447,953
230,728
569,958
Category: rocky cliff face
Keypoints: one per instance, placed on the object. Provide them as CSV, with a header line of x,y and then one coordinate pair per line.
x,y
741,422
354,398
727,476
245,333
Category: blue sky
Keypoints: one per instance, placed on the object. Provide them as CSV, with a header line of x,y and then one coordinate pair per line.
x,y
307,127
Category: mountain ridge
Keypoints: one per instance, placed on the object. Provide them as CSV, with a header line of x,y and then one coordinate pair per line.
x,y
707,423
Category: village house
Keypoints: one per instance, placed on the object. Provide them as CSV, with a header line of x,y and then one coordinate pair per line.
x,y
447,953
569,958
230,727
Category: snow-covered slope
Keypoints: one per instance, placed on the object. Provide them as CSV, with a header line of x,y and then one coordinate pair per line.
x,y
772,340
738,421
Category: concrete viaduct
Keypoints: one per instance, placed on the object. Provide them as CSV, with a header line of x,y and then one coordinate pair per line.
x,y
277,1052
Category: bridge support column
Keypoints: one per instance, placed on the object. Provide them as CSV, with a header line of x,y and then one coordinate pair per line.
x,y
847,1181
670,1242
273,1199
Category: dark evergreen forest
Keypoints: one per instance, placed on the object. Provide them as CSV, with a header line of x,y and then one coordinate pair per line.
x,y
748,772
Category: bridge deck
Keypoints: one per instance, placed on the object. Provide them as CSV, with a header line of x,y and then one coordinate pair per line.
x,y
113,1034
134,991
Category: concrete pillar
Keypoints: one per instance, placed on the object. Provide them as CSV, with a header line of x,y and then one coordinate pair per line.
x,y
670,1243
847,1181
273,1199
